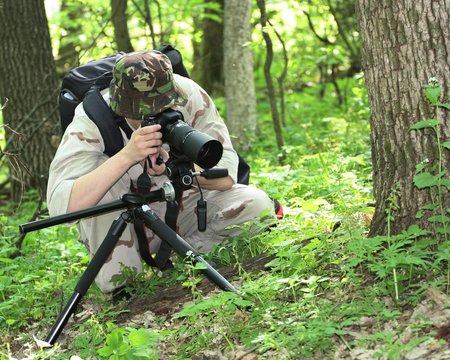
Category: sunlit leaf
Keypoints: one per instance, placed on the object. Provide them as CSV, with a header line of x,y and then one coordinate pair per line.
x,y
142,337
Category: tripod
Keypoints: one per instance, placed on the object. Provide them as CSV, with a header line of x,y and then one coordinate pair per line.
x,y
136,207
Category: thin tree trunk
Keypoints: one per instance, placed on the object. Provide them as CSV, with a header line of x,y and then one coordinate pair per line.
x,y
282,77
268,76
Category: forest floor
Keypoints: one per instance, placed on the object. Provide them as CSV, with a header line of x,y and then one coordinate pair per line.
x,y
144,310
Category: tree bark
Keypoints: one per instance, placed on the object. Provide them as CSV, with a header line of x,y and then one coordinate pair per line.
x,y
404,44
28,80
240,97
119,19
212,54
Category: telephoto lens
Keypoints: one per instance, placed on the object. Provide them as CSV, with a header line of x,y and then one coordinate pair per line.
x,y
199,147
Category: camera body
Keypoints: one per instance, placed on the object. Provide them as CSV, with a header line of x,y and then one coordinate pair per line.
x,y
198,147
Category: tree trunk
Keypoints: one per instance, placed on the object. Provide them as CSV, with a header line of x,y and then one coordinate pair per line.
x,y
240,97
212,54
404,44
28,80
119,19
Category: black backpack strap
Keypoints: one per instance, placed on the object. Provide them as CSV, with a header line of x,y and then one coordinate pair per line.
x,y
101,114
243,171
175,58
124,126
139,224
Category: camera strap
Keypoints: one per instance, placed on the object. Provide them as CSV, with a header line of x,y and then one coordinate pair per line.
x,y
162,257
161,260
144,184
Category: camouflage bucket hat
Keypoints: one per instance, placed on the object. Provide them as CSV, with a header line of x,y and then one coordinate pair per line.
x,y
143,85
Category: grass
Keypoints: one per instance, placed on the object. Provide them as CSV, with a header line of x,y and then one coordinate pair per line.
x,y
329,291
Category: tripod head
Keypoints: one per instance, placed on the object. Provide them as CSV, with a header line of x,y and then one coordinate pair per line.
x,y
180,171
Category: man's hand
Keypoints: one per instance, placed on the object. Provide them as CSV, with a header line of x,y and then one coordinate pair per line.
x,y
222,184
158,169
145,142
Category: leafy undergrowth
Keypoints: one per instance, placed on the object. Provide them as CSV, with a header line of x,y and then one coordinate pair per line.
x,y
328,291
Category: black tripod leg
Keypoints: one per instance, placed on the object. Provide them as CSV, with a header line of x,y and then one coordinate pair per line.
x,y
96,263
181,247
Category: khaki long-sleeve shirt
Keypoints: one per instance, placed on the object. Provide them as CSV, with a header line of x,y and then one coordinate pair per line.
x,y
81,148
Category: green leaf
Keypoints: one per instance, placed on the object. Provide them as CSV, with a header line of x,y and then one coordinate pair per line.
x,y
142,337
444,105
115,338
446,183
427,123
312,205
140,353
200,266
415,231
433,93
439,218
442,230
242,302
105,351
446,145
430,207
425,180
420,167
